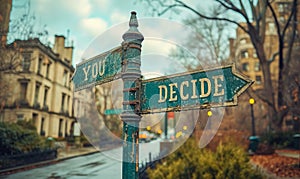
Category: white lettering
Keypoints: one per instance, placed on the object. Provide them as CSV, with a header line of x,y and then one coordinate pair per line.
x,y
161,98
94,70
184,97
172,92
217,85
86,71
202,81
101,64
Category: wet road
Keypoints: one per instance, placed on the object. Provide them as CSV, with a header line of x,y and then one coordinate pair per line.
x,y
99,165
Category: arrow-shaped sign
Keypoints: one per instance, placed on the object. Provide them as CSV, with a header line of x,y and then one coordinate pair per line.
x,y
98,70
193,90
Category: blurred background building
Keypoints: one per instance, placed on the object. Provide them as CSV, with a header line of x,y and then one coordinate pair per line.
x,y
37,81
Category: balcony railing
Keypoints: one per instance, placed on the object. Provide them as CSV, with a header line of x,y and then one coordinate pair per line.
x,y
45,108
36,105
21,103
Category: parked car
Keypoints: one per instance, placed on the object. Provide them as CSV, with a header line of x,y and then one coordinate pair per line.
x,y
144,136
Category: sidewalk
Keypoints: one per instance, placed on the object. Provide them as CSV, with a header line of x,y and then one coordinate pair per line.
x,y
63,154
289,153
72,152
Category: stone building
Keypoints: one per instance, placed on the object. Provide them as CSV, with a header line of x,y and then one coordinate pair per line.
x,y
41,90
37,81
243,54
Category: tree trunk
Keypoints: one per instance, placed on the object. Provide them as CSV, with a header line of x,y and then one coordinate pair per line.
x,y
269,96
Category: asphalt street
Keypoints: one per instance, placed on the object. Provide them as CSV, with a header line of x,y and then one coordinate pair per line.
x,y
106,164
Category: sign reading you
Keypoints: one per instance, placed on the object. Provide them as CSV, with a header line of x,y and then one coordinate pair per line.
x,y
198,89
98,70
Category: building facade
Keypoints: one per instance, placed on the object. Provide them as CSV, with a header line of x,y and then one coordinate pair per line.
x,y
243,53
41,88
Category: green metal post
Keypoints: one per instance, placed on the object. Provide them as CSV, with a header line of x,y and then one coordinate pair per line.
x,y
131,77
166,126
252,120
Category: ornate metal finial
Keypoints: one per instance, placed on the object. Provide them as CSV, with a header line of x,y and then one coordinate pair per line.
x,y
133,20
133,34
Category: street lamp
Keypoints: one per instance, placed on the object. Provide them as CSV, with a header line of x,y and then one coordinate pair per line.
x,y
251,102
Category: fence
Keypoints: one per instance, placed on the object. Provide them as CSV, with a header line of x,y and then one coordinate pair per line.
x,y
10,161
151,164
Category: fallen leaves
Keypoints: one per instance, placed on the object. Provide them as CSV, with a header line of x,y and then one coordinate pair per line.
x,y
279,165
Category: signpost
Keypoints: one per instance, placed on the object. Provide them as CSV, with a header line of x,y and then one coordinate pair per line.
x,y
184,91
193,90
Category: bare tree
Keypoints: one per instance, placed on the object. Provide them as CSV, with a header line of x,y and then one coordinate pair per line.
x,y
254,15
208,43
11,55
25,26
9,63
105,102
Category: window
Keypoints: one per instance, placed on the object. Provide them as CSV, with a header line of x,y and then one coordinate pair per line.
x,y
66,128
257,66
40,62
65,78
63,98
23,91
47,70
42,133
272,29
244,54
37,92
254,53
281,19
280,8
45,96
20,117
245,66
258,80
26,62
287,6
34,117
68,102
60,127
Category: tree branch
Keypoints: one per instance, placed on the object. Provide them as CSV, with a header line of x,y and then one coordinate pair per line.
x,y
294,29
253,10
262,98
211,18
270,60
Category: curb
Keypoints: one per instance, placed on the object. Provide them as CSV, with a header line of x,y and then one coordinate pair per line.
x,y
290,155
41,164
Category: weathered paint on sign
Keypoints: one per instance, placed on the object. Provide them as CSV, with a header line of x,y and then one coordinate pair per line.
x,y
98,70
198,89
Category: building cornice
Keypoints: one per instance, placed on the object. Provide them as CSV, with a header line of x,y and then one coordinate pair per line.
x,y
36,43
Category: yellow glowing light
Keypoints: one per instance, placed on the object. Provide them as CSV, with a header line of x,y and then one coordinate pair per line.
x,y
209,113
251,101
148,128
178,134
184,127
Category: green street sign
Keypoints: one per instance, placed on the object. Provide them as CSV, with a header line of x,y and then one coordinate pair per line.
x,y
98,70
112,111
193,90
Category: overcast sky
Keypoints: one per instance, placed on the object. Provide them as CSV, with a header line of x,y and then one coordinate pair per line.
x,y
96,26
